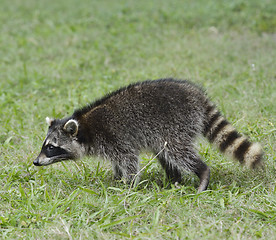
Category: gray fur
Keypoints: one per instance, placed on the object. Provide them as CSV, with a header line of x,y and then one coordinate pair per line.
x,y
144,116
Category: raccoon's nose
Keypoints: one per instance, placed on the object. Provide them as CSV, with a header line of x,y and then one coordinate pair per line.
x,y
36,162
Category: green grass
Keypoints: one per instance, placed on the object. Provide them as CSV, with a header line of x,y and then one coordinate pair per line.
x,y
59,55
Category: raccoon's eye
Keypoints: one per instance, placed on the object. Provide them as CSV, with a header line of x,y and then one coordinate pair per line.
x,y
54,151
50,147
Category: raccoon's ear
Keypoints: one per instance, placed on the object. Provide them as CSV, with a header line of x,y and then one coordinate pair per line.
x,y
49,121
71,127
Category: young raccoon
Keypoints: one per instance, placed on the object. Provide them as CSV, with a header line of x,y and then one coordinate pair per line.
x,y
145,115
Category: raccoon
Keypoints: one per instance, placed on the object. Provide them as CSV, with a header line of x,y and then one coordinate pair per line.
x,y
146,115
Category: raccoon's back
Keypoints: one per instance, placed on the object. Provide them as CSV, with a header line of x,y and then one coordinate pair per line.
x,y
151,109
168,103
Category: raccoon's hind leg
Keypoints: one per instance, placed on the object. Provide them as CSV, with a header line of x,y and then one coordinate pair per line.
x,y
203,172
173,172
117,171
181,158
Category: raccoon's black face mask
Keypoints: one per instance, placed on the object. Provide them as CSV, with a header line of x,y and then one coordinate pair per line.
x,y
61,142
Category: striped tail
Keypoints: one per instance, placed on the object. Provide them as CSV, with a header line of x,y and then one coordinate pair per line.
x,y
220,132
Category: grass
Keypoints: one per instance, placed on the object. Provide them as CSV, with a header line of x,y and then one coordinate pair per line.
x,y
59,55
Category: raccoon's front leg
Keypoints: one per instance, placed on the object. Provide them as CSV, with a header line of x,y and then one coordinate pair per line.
x,y
126,167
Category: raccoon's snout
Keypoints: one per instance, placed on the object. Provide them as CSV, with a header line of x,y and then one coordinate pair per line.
x,y
36,162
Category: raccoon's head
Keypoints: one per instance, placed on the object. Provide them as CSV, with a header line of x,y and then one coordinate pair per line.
x,y
61,142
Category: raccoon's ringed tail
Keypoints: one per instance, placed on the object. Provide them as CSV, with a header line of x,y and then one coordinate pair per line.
x,y
254,155
220,132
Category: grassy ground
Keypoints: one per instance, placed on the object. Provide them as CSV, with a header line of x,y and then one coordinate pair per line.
x,y
58,55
